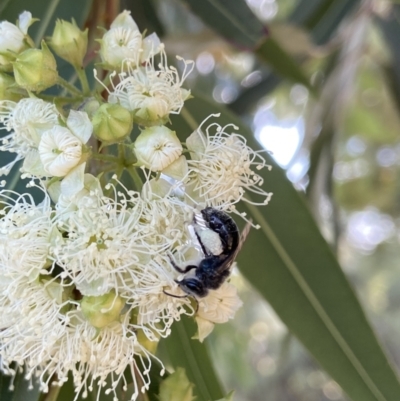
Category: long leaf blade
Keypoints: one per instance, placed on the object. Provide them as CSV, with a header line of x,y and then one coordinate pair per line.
x,y
192,355
292,266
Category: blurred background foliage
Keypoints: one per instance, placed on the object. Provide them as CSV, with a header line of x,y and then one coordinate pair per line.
x,y
318,82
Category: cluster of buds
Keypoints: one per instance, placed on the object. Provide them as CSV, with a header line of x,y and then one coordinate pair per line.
x,y
89,278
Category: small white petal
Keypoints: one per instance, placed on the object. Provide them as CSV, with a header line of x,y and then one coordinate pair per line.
x,y
151,46
80,125
60,151
196,142
204,328
124,20
25,21
73,182
54,190
33,164
220,305
178,169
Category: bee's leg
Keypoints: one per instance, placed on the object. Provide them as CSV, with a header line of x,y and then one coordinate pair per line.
x,y
179,269
184,296
175,296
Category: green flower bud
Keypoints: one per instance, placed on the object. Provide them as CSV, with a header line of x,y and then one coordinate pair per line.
x,y
176,387
36,70
69,42
112,123
6,81
157,147
102,310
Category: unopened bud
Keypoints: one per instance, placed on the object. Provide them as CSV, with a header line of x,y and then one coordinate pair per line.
x,y
6,81
102,310
157,147
112,123
153,111
36,70
69,42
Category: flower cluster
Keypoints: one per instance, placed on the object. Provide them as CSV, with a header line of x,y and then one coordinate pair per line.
x,y
92,270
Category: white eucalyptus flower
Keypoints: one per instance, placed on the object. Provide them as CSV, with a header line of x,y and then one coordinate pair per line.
x,y
108,247
157,147
12,37
26,232
217,307
25,121
124,41
152,92
220,169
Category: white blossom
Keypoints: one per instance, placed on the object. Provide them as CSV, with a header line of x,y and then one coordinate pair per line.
x,y
25,121
59,151
26,231
220,169
124,41
157,147
152,92
217,307
12,37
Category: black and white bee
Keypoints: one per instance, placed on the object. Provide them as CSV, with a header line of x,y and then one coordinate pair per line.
x,y
220,241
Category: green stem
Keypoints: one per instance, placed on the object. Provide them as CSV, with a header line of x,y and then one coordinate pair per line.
x,y
135,177
84,81
71,88
61,99
188,117
106,158
52,395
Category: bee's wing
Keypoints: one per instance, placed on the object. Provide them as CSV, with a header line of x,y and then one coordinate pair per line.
x,y
243,236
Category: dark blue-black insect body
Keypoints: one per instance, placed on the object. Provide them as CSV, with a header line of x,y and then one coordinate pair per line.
x,y
213,269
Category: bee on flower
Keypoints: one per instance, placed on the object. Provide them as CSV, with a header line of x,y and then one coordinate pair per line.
x,y
131,230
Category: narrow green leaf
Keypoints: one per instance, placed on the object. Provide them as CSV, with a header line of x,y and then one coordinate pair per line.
x,y
330,16
292,266
192,355
284,65
237,24
232,20
390,28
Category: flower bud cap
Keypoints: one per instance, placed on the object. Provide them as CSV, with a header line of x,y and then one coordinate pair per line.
x,y
69,42
36,70
102,310
6,83
112,123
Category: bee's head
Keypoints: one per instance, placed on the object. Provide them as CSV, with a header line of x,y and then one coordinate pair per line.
x,y
193,286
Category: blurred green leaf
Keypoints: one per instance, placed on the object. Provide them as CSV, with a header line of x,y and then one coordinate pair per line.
x,y
292,266
229,397
47,11
232,20
330,14
283,64
192,355
390,28
22,390
238,25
